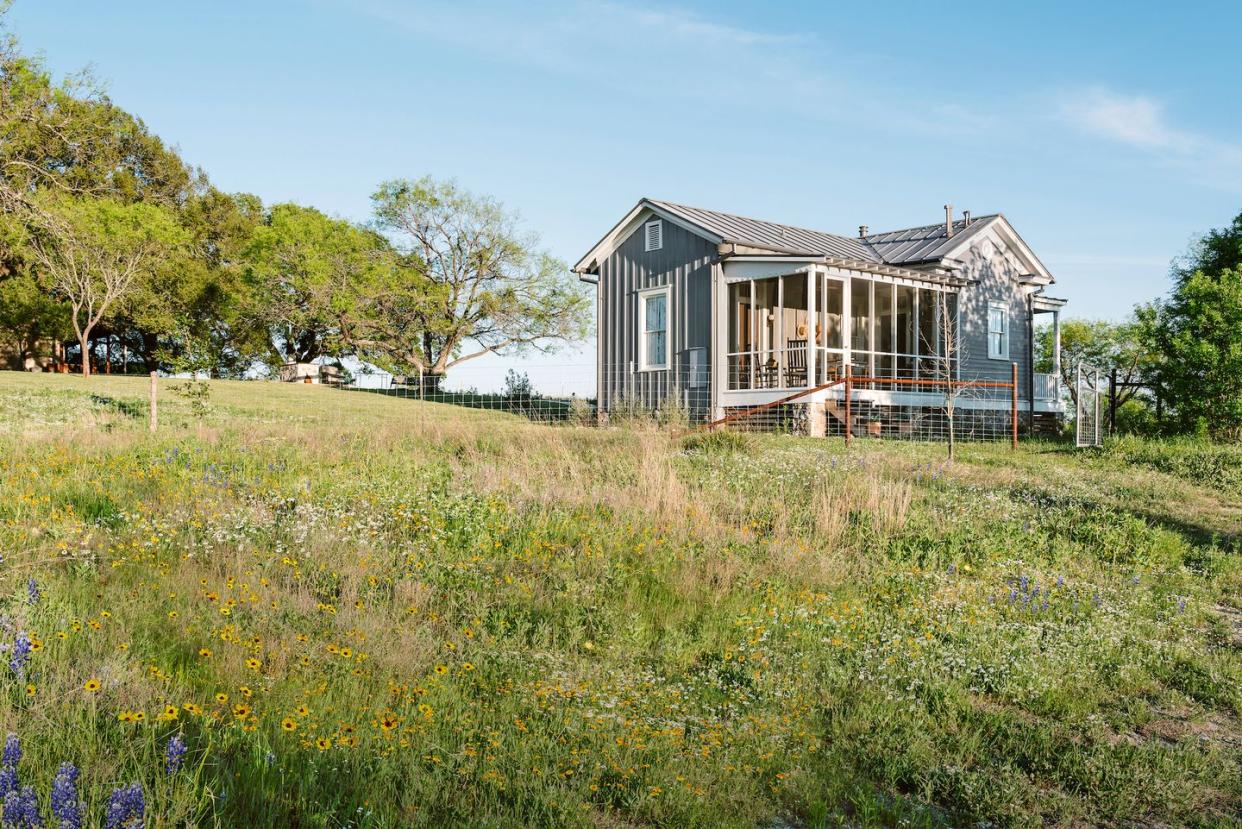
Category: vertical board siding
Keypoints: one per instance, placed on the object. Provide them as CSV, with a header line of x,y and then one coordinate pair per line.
x,y
994,278
684,263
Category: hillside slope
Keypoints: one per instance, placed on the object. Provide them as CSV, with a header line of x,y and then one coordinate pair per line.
x,y
363,611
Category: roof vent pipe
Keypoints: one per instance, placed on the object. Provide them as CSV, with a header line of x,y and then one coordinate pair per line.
x,y
966,217
862,231
948,219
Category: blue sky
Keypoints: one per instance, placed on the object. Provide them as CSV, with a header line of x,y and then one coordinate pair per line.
x,y
1109,134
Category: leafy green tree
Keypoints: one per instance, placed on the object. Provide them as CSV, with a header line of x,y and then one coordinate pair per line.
x,y
1197,334
305,274
1100,343
485,286
68,139
191,311
92,252
29,315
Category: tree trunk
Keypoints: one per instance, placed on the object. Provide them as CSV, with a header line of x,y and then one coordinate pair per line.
x,y
85,348
430,382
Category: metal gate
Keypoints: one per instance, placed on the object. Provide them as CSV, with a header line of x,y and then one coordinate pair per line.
x,y
1088,429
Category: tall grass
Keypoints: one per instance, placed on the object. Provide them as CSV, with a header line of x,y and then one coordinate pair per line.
x,y
432,616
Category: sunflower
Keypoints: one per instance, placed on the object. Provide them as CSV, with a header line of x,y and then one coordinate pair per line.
x,y
204,652
323,743
253,664
170,713
388,722
246,692
192,708
289,724
222,698
92,685
441,669
241,711
302,710
31,690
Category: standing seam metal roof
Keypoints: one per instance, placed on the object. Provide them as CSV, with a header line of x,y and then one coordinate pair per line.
x,y
921,244
758,233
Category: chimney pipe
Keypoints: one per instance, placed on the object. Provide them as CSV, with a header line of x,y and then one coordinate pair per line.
x,y
966,217
862,231
948,219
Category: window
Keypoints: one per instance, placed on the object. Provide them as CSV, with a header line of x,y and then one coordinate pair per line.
x,y
653,329
654,235
998,331
698,368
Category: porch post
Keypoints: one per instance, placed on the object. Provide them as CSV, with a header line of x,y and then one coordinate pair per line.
x,y
1056,345
720,325
812,276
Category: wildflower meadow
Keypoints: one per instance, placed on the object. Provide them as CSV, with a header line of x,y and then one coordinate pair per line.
x,y
296,606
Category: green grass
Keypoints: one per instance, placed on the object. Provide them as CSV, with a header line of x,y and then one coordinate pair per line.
x,y
474,620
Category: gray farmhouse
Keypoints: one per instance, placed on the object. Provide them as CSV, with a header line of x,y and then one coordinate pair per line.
x,y
721,313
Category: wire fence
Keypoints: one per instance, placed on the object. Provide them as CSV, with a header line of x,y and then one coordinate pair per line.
x,y
911,404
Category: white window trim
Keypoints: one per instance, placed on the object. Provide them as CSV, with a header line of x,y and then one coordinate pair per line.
x,y
658,224
1004,310
641,327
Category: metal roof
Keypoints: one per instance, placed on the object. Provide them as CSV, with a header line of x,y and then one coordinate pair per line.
x,y
923,244
910,247
770,235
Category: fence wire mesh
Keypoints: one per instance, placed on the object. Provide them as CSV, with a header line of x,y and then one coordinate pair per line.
x,y
896,405
1088,426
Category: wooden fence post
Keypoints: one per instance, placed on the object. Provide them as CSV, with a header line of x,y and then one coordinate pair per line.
x,y
153,421
1013,396
849,390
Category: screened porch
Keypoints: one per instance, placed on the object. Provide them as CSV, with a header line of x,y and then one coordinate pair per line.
x,y
800,330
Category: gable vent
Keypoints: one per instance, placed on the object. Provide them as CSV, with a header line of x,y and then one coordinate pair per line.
x,y
654,239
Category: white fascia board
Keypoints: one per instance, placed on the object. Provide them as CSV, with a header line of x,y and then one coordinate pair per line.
x,y
1004,231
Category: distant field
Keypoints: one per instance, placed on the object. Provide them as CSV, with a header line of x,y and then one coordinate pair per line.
x,y
358,610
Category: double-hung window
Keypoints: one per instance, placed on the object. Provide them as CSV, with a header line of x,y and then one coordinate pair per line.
x,y
653,329
998,331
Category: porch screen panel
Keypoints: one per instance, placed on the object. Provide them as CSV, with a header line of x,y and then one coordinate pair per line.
x,y
741,335
884,363
905,324
833,297
860,315
861,323
928,339
765,327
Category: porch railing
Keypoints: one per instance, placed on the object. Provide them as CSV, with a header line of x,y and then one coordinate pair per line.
x,y
1047,387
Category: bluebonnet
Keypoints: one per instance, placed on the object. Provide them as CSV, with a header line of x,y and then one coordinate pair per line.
x,y
126,807
21,654
21,809
12,751
175,753
8,781
32,590
65,804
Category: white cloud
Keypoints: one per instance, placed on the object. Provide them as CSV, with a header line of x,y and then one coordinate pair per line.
x,y
1140,122
1135,120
